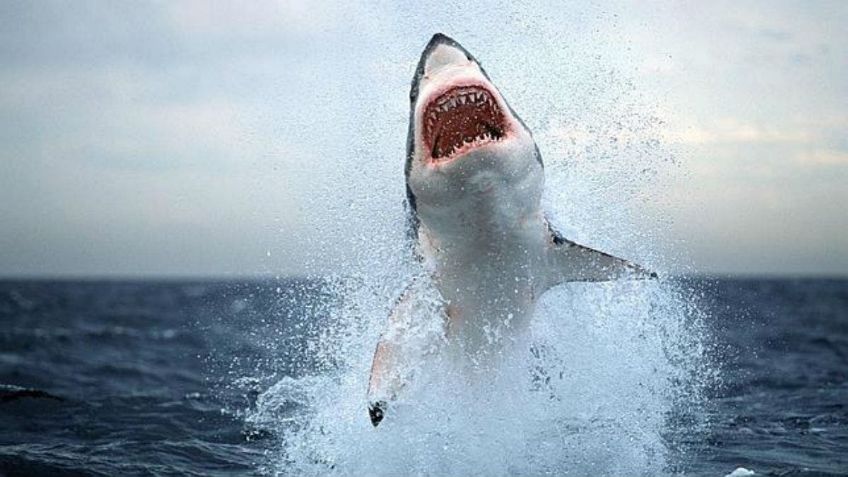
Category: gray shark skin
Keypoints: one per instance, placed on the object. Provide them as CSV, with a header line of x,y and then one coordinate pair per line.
x,y
474,181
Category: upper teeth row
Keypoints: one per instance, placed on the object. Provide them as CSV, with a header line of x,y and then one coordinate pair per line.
x,y
472,97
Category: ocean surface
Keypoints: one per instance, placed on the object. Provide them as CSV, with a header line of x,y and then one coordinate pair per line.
x,y
175,378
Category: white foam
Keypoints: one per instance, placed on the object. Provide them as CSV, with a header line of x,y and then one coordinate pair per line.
x,y
741,472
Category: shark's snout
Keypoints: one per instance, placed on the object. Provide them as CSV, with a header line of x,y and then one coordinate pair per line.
x,y
443,52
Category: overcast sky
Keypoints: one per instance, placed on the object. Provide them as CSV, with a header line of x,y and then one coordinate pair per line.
x,y
234,138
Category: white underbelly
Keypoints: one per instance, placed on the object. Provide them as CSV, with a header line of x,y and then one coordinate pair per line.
x,y
490,283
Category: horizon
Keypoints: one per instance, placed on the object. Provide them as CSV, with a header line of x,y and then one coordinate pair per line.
x,y
165,278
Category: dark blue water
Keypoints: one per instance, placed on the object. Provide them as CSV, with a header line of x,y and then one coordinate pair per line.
x,y
156,378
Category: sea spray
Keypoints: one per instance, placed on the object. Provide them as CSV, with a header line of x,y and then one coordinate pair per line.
x,y
589,390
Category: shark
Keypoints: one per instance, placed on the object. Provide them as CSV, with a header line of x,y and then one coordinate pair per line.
x,y
487,251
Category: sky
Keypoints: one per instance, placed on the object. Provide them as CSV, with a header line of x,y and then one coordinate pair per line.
x,y
225,138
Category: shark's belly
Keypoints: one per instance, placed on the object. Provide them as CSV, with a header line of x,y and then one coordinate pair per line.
x,y
490,284
485,320
486,248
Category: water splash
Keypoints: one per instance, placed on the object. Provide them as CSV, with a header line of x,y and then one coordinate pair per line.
x,y
592,389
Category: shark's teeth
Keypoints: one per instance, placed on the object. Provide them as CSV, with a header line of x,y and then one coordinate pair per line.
x,y
448,103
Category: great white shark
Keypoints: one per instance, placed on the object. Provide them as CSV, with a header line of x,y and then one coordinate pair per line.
x,y
474,181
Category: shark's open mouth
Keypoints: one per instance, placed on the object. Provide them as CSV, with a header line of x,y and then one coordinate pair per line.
x,y
461,116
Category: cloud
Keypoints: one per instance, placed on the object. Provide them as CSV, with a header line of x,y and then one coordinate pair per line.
x,y
724,131
117,118
822,157
735,131
281,17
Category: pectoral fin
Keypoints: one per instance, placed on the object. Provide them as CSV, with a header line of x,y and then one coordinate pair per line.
x,y
414,329
571,262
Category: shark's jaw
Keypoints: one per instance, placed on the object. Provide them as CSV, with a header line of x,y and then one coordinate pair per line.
x,y
459,118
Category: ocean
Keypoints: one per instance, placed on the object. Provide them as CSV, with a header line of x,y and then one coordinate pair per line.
x,y
220,378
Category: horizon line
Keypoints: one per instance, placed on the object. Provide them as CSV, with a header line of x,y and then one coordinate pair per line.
x,y
264,277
